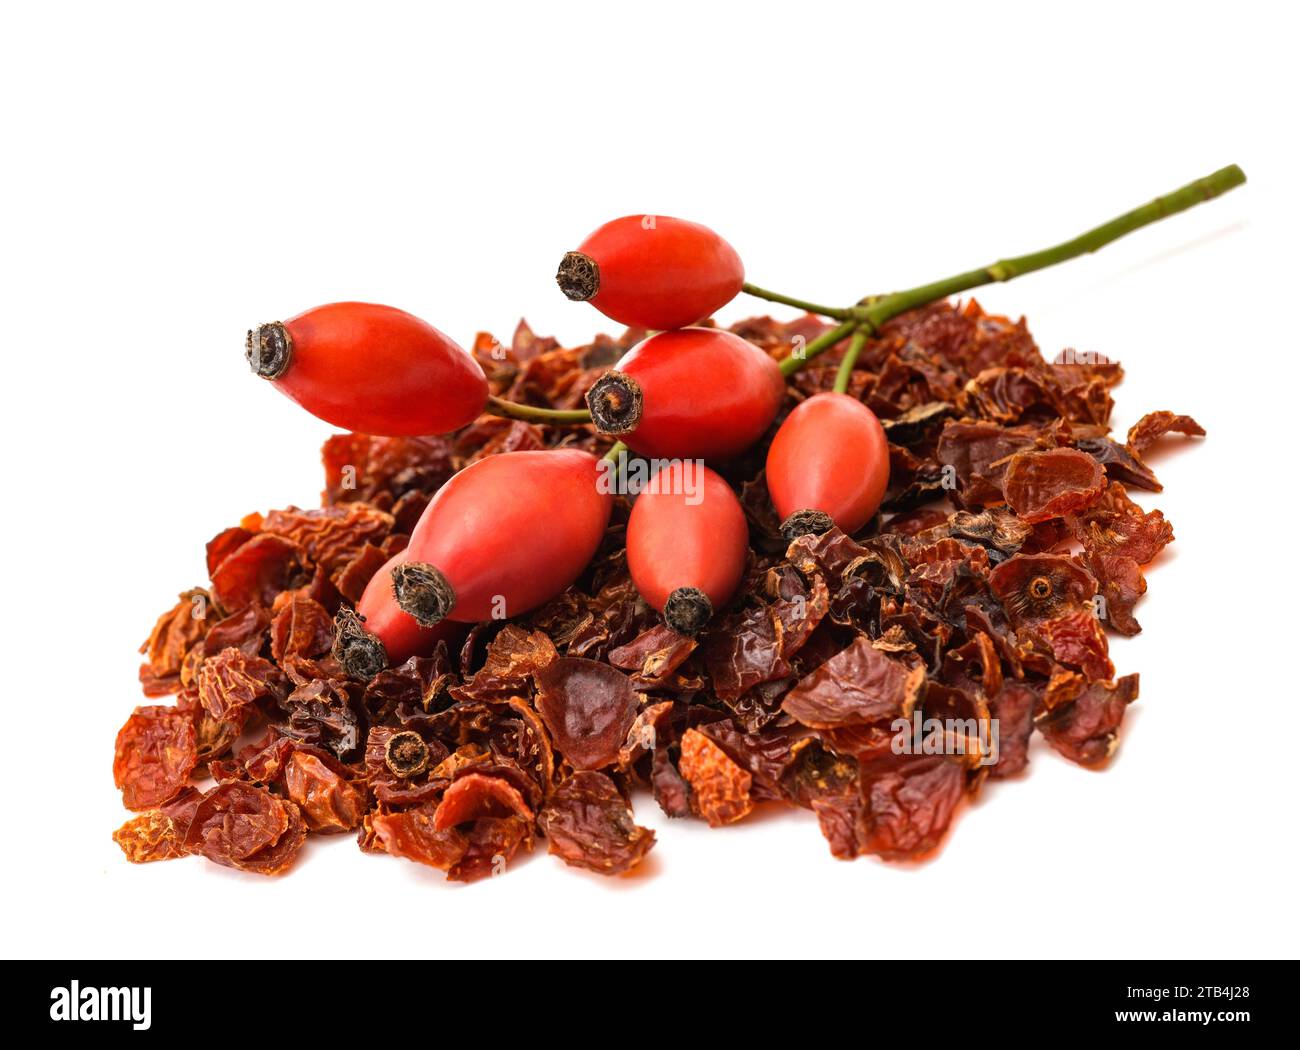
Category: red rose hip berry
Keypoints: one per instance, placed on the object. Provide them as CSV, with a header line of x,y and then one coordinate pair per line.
x,y
504,536
370,369
686,544
828,465
692,393
652,271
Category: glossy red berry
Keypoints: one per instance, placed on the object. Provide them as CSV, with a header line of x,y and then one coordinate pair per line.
x,y
503,536
828,464
381,634
692,393
371,369
652,271
686,544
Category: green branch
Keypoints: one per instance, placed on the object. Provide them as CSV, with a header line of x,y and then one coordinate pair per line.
x,y
530,413
845,375
839,313
871,317
819,345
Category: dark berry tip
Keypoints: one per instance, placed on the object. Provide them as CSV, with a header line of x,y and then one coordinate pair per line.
x,y
361,654
615,402
267,348
687,610
578,276
423,592
806,523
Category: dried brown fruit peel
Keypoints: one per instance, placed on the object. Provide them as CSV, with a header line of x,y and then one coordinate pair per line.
x,y
995,607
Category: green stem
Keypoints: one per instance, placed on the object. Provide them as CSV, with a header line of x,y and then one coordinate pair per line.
x,y
873,316
531,413
845,375
839,313
608,466
819,345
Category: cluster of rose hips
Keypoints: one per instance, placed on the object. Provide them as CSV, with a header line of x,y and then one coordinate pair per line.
x,y
683,395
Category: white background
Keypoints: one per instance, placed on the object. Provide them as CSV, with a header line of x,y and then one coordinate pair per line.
x,y
174,173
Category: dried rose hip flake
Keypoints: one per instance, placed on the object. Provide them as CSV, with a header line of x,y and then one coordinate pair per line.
x,y
413,835
328,800
857,686
588,824
588,707
474,796
1044,485
720,789
155,754
242,826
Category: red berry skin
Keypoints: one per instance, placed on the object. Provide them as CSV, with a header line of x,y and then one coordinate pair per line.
x,y
677,538
510,532
658,272
401,635
379,370
831,455
706,394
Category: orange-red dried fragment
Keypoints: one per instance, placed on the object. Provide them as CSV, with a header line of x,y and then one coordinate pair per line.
x,y
149,837
1086,730
329,802
330,537
174,635
302,627
588,824
412,834
1043,485
476,795
1155,425
491,844
1077,640
901,809
155,753
239,825
352,578
278,858
1121,584
1035,588
588,708
858,685
1117,525
719,787
254,573
230,681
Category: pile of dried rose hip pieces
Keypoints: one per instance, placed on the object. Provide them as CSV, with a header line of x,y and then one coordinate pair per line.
x,y
479,638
